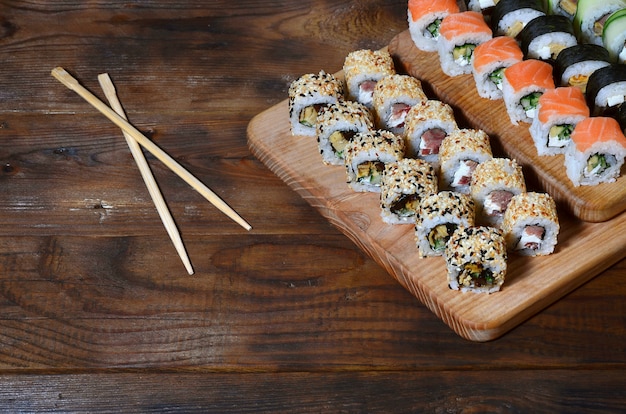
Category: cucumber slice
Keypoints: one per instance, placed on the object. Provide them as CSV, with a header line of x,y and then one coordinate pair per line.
x,y
614,36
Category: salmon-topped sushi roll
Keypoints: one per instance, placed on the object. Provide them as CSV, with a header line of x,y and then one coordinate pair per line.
x,y
523,83
425,17
597,151
459,34
558,112
490,60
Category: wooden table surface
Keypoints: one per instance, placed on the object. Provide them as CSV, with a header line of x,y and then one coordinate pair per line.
x,y
97,312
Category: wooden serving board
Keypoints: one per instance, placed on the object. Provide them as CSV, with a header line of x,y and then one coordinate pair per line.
x,y
589,203
532,283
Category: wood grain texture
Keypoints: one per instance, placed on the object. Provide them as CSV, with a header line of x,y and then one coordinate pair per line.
x,y
97,313
589,203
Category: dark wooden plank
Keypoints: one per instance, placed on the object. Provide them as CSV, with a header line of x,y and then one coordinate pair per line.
x,y
553,391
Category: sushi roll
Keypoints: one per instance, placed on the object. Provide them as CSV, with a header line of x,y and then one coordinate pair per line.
x,y
459,154
484,7
544,37
393,96
439,216
367,154
606,90
336,125
614,36
427,124
591,16
476,259
597,152
362,69
306,95
509,17
522,85
490,60
425,17
531,224
459,34
494,183
559,110
404,183
576,63
565,8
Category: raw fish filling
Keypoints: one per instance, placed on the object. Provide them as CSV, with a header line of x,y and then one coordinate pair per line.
x,y
475,275
496,202
370,172
366,91
406,205
431,141
463,174
531,238
398,115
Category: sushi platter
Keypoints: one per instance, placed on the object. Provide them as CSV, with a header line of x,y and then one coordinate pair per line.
x,y
592,219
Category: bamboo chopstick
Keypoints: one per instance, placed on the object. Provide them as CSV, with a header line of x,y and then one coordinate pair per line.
x,y
109,91
66,79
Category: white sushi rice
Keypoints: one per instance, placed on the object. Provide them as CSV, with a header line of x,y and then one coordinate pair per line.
x,y
548,46
576,163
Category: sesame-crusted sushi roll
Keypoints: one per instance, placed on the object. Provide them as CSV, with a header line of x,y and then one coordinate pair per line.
x,y
336,125
494,183
426,125
425,17
544,37
476,259
393,96
490,60
404,184
306,95
439,216
459,154
522,85
362,69
596,153
459,34
366,156
576,63
558,112
509,17
531,224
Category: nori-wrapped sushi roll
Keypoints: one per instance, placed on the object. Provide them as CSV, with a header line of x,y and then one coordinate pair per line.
x,y
336,125
439,216
362,69
576,63
544,37
476,259
404,183
366,155
531,224
606,90
510,16
306,95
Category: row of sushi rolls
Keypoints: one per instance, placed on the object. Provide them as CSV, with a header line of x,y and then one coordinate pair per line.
x,y
558,65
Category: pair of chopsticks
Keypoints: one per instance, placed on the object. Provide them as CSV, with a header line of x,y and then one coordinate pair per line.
x,y
134,138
